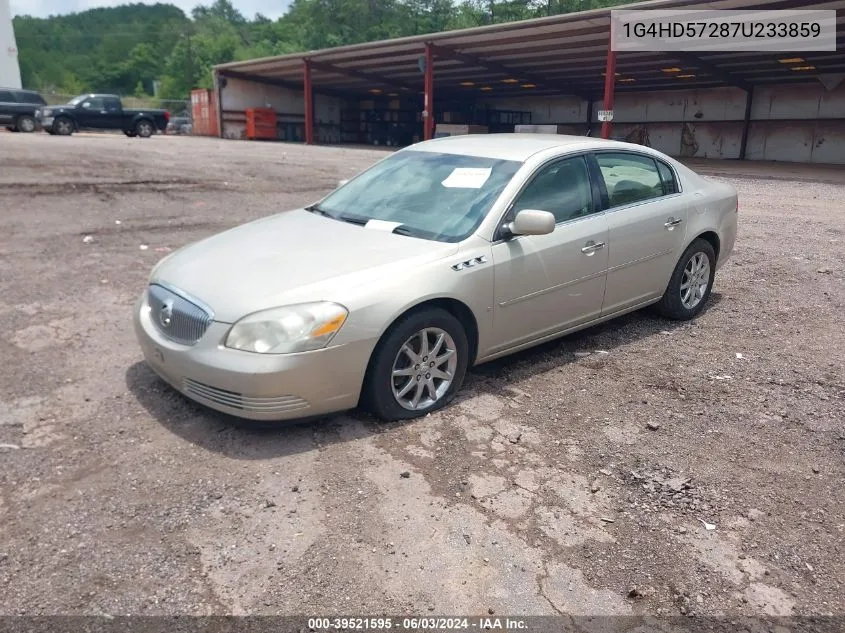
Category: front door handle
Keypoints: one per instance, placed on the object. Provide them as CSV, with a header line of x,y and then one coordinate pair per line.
x,y
671,223
591,247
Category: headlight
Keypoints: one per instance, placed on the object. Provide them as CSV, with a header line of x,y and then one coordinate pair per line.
x,y
295,328
46,112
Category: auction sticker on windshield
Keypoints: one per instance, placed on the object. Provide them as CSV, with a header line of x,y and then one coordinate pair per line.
x,y
468,177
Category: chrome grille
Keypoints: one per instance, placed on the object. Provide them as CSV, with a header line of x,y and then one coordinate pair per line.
x,y
234,400
176,317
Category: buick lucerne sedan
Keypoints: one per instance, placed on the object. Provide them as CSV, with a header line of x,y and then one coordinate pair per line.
x,y
443,255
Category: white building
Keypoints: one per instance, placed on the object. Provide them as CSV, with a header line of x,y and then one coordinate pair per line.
x,y
10,72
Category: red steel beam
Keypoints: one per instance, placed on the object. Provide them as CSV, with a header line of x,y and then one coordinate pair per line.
x,y
309,103
609,85
428,107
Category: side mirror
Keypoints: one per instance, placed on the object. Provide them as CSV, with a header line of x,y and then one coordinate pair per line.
x,y
532,222
86,104
340,183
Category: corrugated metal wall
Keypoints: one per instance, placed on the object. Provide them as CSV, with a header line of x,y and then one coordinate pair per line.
x,y
797,123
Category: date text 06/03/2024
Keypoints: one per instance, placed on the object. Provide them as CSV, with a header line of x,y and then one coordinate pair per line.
x,y
433,624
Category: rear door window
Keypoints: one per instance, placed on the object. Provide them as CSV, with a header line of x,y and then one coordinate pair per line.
x,y
670,183
7,97
629,177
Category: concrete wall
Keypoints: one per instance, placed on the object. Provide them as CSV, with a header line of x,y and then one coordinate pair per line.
x,y
797,123
238,95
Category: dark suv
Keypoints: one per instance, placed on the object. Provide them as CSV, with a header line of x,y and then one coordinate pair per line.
x,y
17,109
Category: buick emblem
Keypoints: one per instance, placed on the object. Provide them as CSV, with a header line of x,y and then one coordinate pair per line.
x,y
165,313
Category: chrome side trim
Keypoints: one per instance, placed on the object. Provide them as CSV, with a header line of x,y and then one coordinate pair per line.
x,y
510,302
634,262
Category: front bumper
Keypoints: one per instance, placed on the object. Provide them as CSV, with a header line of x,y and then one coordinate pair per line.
x,y
45,122
250,385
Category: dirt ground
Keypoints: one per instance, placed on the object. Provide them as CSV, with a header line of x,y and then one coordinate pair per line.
x,y
575,478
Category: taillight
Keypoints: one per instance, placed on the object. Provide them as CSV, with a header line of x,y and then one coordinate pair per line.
x,y
166,116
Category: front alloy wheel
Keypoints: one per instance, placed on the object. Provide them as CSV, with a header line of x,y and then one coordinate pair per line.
x,y
424,369
418,366
63,126
144,129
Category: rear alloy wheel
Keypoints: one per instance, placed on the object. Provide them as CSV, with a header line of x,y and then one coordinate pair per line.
x,y
25,123
418,366
144,129
691,282
63,126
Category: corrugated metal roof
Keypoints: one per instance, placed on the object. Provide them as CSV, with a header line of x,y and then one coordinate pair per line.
x,y
562,54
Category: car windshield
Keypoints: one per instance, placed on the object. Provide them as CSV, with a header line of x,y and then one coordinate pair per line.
x,y
77,100
431,195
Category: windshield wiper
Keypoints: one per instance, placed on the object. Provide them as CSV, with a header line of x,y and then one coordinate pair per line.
x,y
352,219
316,208
411,232
344,217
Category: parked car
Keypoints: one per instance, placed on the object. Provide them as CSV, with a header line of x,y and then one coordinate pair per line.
x,y
443,255
179,124
101,112
17,109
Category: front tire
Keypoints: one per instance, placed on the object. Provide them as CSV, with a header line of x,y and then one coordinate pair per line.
x,y
130,133
691,282
418,366
63,126
25,123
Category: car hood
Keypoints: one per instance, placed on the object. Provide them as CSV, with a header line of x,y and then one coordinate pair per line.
x,y
291,257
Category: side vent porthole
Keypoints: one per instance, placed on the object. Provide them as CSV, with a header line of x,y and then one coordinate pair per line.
x,y
482,259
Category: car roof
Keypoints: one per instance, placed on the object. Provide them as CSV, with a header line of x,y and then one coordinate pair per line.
x,y
517,146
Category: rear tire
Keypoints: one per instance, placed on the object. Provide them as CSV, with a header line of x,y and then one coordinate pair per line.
x,y
691,282
25,123
401,362
144,128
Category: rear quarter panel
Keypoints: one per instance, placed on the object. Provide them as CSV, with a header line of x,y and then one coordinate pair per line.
x,y
713,208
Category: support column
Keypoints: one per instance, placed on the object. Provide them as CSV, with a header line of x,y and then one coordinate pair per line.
x,y
746,123
428,108
609,85
309,104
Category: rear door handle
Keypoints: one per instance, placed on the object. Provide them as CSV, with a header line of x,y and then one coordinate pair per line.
x,y
591,247
672,223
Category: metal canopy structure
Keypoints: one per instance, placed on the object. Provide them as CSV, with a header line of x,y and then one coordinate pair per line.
x,y
559,55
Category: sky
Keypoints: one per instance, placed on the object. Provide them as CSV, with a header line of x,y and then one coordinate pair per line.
x,y
42,8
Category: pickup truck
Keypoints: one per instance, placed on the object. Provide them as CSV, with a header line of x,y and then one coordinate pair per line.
x,y
17,109
101,112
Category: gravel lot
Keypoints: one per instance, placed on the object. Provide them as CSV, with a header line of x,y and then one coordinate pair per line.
x,y
564,480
